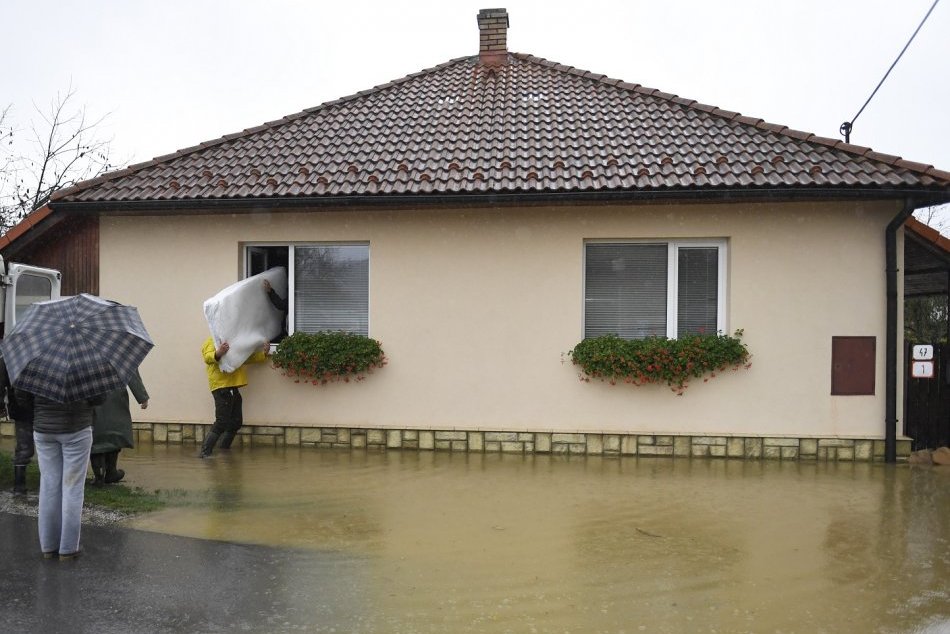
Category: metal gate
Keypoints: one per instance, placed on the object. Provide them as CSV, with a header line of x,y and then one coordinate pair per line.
x,y
927,417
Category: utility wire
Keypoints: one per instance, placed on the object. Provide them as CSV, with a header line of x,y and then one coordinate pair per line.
x,y
845,128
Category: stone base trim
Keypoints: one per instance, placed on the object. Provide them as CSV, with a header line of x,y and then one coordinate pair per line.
x,y
588,444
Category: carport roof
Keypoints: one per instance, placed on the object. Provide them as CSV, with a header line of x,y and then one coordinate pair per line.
x,y
926,260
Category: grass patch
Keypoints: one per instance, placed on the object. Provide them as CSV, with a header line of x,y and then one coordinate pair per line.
x,y
6,474
117,497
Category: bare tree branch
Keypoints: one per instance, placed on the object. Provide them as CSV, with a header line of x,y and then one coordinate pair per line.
x,y
62,150
7,175
937,217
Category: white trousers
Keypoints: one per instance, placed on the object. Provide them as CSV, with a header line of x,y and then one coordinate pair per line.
x,y
63,459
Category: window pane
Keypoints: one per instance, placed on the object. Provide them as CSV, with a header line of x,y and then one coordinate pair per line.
x,y
625,290
331,288
698,290
29,290
257,260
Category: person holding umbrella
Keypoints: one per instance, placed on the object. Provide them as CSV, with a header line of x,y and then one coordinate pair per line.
x,y
62,433
62,358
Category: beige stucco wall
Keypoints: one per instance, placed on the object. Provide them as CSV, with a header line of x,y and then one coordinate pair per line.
x,y
474,309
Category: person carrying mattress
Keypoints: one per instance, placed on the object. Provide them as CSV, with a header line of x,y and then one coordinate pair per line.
x,y
225,390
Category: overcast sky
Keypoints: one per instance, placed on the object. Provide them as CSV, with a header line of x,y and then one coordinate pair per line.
x,y
173,73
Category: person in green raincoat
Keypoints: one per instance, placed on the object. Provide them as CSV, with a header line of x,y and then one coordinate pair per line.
x,y
112,430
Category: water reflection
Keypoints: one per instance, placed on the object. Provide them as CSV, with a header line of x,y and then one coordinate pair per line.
x,y
497,543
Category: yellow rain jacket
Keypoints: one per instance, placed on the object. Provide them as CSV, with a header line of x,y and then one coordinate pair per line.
x,y
218,379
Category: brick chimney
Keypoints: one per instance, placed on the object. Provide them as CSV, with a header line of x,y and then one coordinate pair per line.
x,y
493,37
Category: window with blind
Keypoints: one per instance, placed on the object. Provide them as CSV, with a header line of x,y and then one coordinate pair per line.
x,y
653,289
328,284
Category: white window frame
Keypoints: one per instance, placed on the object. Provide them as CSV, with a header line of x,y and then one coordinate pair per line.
x,y
672,277
291,272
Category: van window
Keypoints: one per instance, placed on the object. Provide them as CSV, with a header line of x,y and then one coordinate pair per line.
x,y
29,290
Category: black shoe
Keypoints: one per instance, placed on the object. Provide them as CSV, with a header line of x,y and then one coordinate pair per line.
x,y
112,477
98,462
208,446
226,439
70,556
112,474
19,479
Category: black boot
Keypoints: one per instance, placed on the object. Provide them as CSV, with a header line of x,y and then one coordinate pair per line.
x,y
98,462
112,475
208,445
226,439
19,479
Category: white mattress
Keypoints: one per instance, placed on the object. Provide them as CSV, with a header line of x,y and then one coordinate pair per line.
x,y
244,316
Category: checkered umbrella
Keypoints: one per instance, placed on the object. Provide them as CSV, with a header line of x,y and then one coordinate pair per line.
x,y
75,347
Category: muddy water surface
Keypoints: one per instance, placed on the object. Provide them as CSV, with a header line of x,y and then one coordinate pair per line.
x,y
491,543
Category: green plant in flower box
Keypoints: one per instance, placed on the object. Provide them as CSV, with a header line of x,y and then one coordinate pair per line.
x,y
658,359
325,357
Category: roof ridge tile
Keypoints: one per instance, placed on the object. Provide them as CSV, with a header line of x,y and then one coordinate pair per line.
x,y
797,134
727,114
835,143
772,127
890,159
860,150
748,120
914,166
938,173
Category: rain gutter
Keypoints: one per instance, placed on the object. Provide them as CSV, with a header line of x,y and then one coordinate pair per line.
x,y
890,355
217,205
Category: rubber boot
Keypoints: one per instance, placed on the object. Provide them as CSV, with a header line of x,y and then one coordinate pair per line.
x,y
98,462
226,439
112,475
208,446
19,479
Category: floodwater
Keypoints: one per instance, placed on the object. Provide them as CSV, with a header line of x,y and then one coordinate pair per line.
x,y
508,543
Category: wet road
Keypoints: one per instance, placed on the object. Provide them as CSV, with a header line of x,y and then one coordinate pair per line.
x,y
438,542
130,582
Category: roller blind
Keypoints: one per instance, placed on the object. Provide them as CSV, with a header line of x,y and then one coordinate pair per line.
x,y
331,288
698,290
625,290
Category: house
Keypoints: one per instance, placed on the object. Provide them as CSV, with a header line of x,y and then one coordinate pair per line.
x,y
463,215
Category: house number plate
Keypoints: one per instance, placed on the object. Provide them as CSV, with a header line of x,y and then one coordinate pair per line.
x,y
922,370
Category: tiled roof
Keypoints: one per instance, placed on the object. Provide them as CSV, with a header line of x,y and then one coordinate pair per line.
x,y
528,126
929,235
926,260
31,220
